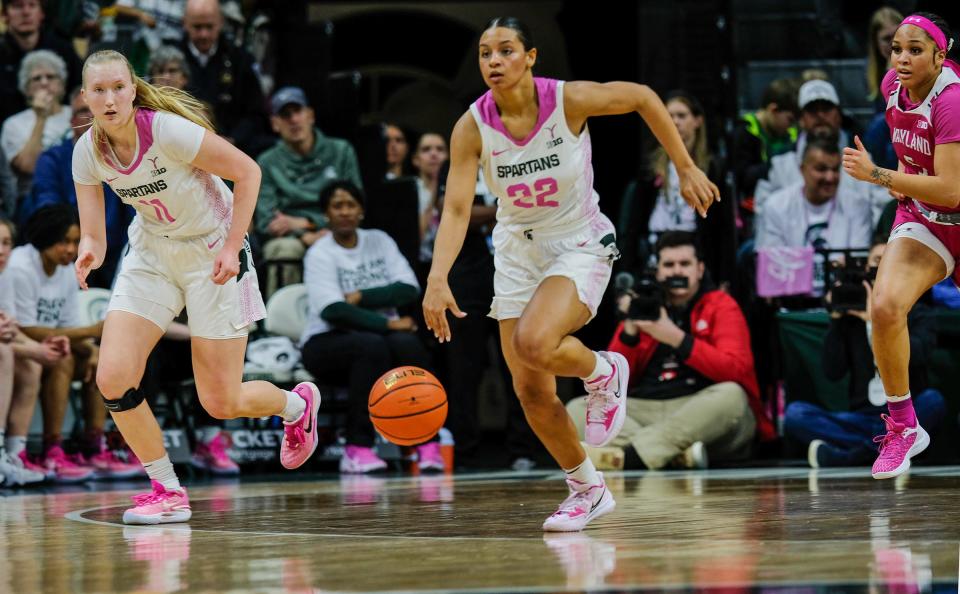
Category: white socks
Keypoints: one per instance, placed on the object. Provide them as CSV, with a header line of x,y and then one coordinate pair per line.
x,y
15,444
294,409
601,369
585,473
162,471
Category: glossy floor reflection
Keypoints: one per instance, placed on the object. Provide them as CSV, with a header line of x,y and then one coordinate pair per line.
x,y
773,530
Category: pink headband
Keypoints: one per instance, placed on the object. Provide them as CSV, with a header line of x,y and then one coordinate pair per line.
x,y
927,25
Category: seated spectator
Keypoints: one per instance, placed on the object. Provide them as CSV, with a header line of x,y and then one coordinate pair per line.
x,y
398,149
846,438
53,184
661,208
20,360
430,155
693,390
168,67
816,210
46,290
295,171
820,115
356,278
25,33
764,134
223,75
26,134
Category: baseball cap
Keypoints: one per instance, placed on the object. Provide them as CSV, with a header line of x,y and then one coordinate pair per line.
x,y
817,90
286,96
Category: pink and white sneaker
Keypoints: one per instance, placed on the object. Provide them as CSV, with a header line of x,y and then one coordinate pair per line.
x,y
360,460
584,503
64,469
159,506
107,465
429,458
34,467
214,456
897,447
607,402
300,437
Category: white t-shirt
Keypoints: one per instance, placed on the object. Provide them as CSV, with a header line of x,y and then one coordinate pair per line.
x,y
331,271
172,197
670,212
41,300
18,127
7,303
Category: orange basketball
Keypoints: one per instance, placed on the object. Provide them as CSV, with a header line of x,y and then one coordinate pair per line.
x,y
407,405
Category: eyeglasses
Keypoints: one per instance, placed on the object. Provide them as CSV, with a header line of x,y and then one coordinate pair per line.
x,y
39,77
167,71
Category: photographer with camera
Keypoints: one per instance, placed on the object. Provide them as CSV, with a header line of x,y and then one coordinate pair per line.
x,y
693,388
845,438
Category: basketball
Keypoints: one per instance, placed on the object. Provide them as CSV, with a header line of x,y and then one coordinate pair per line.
x,y
407,405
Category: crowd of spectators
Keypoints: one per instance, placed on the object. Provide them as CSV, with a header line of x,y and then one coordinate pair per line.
x,y
697,394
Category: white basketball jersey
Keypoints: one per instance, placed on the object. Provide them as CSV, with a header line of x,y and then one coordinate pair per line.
x,y
545,180
172,197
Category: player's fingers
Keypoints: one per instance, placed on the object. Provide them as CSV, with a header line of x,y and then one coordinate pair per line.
x,y
856,139
455,309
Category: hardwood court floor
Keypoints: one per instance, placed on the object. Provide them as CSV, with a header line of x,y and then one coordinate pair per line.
x,y
834,530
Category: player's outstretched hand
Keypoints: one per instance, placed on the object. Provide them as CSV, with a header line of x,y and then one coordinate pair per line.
x,y
697,189
226,266
86,262
437,299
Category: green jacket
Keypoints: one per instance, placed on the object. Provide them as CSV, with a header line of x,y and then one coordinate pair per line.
x,y
290,182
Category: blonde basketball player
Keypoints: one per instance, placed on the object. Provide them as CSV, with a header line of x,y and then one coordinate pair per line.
x,y
188,248
554,248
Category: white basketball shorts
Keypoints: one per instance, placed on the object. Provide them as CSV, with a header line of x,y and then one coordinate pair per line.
x,y
160,275
584,254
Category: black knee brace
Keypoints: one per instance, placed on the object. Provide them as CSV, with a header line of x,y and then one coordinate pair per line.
x,y
128,401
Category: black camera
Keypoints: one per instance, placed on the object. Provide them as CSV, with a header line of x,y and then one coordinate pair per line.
x,y
845,281
647,294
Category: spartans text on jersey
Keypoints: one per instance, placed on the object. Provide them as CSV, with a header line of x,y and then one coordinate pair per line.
x,y
527,167
144,190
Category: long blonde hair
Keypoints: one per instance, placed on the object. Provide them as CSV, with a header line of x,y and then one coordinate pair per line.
x,y
876,68
166,99
659,160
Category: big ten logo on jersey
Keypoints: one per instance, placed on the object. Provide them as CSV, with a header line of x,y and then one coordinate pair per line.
x,y
922,124
157,170
553,140
393,378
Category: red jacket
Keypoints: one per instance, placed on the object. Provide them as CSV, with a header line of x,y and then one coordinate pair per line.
x,y
721,351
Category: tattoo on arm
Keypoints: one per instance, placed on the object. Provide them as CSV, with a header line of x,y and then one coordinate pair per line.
x,y
881,177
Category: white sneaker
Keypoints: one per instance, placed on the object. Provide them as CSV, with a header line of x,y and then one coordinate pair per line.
x,y
13,473
695,456
607,402
581,506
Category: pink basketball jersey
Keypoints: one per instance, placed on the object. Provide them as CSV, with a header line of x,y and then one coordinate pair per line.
x,y
916,128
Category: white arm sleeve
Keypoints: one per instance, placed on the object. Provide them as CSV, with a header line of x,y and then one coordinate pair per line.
x,y
86,172
320,276
179,137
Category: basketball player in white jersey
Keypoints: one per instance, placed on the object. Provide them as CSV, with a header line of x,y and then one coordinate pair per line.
x,y
188,248
554,248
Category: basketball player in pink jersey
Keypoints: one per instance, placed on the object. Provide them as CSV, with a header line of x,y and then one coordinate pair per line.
x,y
923,111
188,248
554,248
